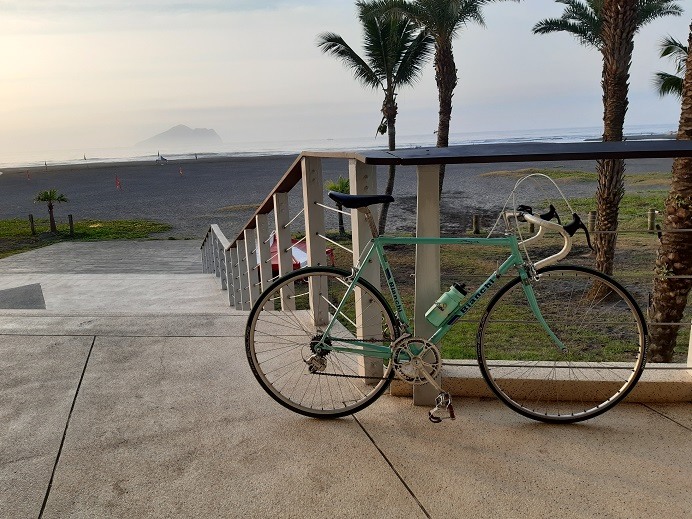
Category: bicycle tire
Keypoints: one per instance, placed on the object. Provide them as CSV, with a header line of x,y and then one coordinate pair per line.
x,y
601,326
278,343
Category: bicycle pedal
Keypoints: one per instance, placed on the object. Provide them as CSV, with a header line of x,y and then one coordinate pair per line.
x,y
434,418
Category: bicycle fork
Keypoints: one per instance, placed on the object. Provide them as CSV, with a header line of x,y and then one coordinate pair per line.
x,y
533,304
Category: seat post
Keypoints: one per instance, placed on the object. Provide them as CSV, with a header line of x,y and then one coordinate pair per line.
x,y
371,221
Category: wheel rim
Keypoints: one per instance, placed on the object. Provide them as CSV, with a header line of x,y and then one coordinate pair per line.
x,y
280,344
603,332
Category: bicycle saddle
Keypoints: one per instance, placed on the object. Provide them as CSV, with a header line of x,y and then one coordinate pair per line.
x,y
356,201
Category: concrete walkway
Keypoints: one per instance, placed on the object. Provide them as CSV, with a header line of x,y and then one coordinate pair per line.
x,y
127,394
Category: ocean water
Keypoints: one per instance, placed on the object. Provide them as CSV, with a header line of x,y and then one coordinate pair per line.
x,y
293,147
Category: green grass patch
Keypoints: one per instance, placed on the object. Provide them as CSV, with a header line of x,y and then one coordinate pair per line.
x,y
633,208
16,237
565,175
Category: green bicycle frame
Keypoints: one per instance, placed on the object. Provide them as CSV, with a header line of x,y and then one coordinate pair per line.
x,y
376,246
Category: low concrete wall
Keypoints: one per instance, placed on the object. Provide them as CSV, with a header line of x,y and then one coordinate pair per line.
x,y
659,383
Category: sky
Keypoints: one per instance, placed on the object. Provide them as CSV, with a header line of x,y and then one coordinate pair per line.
x,y
83,74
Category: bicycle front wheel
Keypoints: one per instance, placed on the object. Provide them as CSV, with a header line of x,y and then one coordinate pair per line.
x,y
601,327
284,346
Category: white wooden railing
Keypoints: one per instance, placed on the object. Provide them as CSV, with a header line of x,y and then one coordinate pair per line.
x,y
244,265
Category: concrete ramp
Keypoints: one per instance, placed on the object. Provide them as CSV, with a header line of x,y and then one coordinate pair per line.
x,y
111,278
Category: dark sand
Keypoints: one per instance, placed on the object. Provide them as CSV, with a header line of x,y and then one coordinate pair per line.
x,y
226,191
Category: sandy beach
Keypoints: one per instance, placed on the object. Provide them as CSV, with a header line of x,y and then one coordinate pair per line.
x,y
190,195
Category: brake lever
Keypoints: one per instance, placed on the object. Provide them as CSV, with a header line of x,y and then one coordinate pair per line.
x,y
552,213
575,225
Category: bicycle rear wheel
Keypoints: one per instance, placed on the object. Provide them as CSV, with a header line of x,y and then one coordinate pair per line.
x,y
601,327
282,342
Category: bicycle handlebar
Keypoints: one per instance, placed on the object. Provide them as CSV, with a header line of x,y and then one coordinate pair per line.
x,y
543,222
542,225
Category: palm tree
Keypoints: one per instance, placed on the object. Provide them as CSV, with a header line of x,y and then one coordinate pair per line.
x,y
395,51
340,185
443,19
609,26
675,251
50,196
671,83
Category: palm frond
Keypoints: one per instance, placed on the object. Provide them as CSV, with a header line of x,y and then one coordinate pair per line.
x,y
334,45
650,10
418,51
668,84
671,48
584,34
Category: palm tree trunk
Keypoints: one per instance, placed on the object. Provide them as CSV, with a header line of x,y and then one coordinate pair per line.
x,y
619,27
675,251
446,79
53,227
389,109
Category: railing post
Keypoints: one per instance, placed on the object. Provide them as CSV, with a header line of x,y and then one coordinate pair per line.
x,y
203,254
235,269
363,181
215,249
283,248
229,276
313,189
242,268
427,280
220,246
252,265
222,266
209,253
263,252
206,264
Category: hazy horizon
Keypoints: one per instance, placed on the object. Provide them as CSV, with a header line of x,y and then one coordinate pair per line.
x,y
108,74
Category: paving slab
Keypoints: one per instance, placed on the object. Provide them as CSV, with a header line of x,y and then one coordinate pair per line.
x,y
681,414
38,380
491,462
230,323
179,428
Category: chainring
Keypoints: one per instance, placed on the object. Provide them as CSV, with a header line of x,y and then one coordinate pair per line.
x,y
410,355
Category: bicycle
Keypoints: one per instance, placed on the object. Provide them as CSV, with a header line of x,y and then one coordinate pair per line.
x,y
555,343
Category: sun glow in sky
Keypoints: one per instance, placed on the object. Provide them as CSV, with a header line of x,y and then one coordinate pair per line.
x,y
81,74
